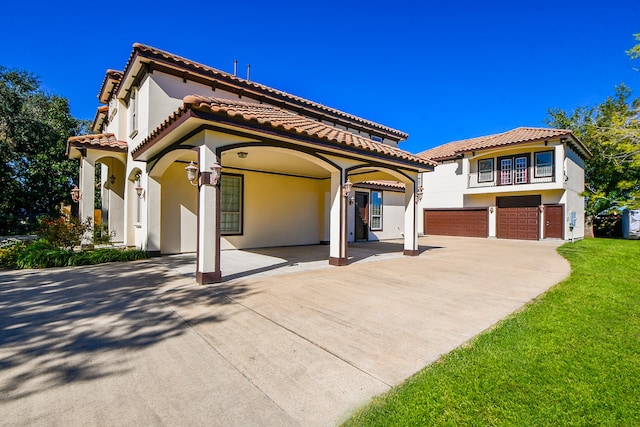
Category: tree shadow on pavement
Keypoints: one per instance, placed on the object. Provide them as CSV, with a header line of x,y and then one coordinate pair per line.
x,y
57,325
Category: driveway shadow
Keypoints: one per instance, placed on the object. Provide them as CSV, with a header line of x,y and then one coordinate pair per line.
x,y
57,324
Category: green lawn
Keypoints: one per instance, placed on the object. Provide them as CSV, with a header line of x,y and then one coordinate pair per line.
x,y
571,357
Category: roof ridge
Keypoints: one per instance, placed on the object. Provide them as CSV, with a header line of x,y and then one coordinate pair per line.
x,y
270,91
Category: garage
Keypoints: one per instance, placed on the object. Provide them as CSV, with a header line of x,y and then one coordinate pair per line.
x,y
456,222
519,217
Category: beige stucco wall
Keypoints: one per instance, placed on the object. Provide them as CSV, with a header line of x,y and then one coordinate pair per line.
x,y
279,211
179,211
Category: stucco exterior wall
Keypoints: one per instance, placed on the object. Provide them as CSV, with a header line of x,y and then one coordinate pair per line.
x,y
279,211
443,188
392,217
179,212
574,184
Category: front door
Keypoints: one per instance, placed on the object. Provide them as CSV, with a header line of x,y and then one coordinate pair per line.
x,y
553,221
362,216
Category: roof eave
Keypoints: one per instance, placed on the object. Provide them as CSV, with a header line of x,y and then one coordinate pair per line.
x,y
136,64
145,151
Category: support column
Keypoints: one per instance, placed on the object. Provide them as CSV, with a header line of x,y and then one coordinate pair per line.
x,y
208,247
338,222
87,200
116,205
153,198
410,220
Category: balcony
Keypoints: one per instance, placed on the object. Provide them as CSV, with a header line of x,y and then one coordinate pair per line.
x,y
511,180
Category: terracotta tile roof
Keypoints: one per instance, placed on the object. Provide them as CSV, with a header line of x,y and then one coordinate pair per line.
x,y
519,135
105,141
101,115
384,183
287,100
112,77
269,117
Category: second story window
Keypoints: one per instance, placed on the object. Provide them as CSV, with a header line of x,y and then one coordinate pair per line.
x,y
506,165
485,170
514,170
543,164
521,170
133,113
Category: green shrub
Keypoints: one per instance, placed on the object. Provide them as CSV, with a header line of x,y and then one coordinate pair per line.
x,y
9,251
63,232
41,254
101,235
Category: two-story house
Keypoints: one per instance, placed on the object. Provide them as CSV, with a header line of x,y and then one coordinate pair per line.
x,y
522,184
195,159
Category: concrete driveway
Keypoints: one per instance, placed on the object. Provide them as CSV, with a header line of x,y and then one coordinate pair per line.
x,y
141,343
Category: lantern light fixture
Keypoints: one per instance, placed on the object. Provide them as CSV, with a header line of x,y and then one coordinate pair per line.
x,y
206,178
346,189
192,173
75,194
419,194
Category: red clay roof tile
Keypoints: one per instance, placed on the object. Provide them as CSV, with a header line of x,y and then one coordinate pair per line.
x,y
291,100
273,117
97,141
515,136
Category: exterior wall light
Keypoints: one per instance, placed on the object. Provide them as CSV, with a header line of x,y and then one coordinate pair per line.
x,y
346,189
75,194
419,193
140,192
216,172
206,178
242,154
192,173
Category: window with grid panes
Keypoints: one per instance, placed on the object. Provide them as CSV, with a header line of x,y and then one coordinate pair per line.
x,y
376,210
521,170
231,204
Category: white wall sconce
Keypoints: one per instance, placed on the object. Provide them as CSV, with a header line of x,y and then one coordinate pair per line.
x,y
491,208
192,173
206,178
242,154
75,194
346,189
419,194
140,192
216,172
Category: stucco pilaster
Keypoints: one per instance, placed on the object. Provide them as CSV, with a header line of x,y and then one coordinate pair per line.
x,y
338,221
87,200
208,247
153,199
410,220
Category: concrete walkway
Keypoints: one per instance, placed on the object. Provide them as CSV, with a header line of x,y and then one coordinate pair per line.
x,y
141,343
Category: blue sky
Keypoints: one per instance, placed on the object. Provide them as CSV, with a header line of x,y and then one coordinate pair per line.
x,y
440,71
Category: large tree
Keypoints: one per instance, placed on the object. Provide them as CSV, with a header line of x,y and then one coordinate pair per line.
x,y
35,175
611,131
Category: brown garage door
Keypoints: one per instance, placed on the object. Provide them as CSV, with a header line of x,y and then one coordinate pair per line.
x,y
518,223
519,217
456,222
